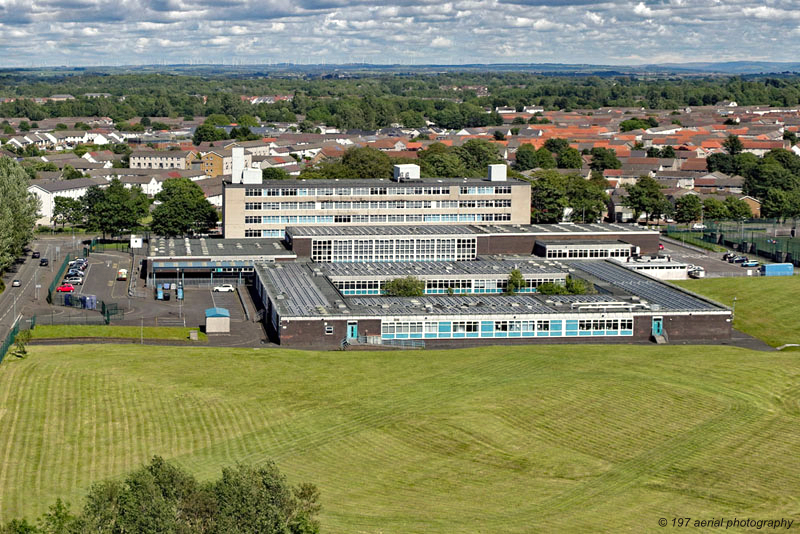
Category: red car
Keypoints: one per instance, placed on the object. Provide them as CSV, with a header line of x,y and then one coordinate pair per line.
x,y
65,288
660,246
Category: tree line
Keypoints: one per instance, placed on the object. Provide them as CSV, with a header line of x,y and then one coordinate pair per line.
x,y
377,101
162,498
18,212
116,210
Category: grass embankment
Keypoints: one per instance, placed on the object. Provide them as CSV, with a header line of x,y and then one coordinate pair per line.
x,y
511,439
110,331
766,307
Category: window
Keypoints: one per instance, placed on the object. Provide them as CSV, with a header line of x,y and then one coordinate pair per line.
x,y
328,330
543,326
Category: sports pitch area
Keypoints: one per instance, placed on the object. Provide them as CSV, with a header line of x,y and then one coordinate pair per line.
x,y
508,439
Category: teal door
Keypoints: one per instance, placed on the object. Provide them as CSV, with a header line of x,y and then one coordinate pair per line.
x,y
352,330
658,326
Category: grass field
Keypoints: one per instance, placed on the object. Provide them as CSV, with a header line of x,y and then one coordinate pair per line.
x,y
512,440
766,307
111,331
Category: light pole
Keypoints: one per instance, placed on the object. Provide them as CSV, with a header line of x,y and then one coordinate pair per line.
x,y
733,311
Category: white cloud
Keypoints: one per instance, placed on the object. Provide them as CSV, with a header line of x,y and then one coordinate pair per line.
x,y
441,42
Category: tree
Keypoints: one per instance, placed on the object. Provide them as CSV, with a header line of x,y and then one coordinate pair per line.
x,y
183,209
737,208
477,155
637,124
24,126
367,162
20,343
688,208
71,173
526,158
408,286
115,209
714,210
217,119
274,173
556,145
18,211
412,119
248,121
548,197
67,210
516,281
733,145
499,136
569,159
724,163
780,204
587,199
604,158
208,133
645,196
443,165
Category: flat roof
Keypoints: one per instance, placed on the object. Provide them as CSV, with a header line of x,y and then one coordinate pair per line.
x,y
468,230
304,290
377,182
212,248
445,269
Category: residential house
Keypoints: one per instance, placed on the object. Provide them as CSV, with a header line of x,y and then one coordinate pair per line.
x,y
46,191
169,159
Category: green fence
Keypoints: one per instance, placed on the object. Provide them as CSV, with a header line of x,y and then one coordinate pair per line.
x,y
9,340
769,239
57,280
100,245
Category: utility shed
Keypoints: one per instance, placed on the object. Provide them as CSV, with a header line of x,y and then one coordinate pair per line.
x,y
218,321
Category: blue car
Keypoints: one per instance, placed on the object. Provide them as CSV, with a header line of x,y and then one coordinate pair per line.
x,y
751,263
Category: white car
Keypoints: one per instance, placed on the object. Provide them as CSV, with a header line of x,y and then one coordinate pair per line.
x,y
224,288
698,226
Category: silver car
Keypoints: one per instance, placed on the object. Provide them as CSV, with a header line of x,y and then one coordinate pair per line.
x,y
73,280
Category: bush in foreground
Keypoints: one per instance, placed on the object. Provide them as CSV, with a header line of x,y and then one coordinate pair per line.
x,y
163,498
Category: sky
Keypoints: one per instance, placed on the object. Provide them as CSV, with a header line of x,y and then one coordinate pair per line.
x,y
414,32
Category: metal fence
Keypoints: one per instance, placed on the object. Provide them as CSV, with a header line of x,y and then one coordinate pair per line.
x,y
9,340
57,280
70,318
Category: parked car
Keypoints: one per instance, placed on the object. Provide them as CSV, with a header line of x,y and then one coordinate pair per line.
x,y
16,283
728,255
36,255
44,262
751,263
75,280
224,288
76,272
65,288
661,246
740,259
698,226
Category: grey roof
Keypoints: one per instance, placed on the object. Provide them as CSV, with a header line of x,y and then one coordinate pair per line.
x,y
462,230
439,269
669,297
54,186
184,247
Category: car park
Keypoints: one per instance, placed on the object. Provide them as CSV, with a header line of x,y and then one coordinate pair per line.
x,y
65,288
36,255
751,263
224,288
73,280
44,262
16,283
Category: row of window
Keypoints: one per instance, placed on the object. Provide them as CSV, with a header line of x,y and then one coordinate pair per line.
x,y
622,252
506,328
393,250
442,286
399,218
364,205
374,191
265,233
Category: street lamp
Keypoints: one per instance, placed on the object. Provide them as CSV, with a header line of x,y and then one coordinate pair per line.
x,y
733,311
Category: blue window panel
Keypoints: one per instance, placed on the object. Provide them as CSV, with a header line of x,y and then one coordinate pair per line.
x,y
571,333
430,335
572,325
585,333
501,334
626,333
401,336
458,334
387,336
514,334
555,325
612,333
529,334
416,336
487,326
542,334
444,327
472,334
